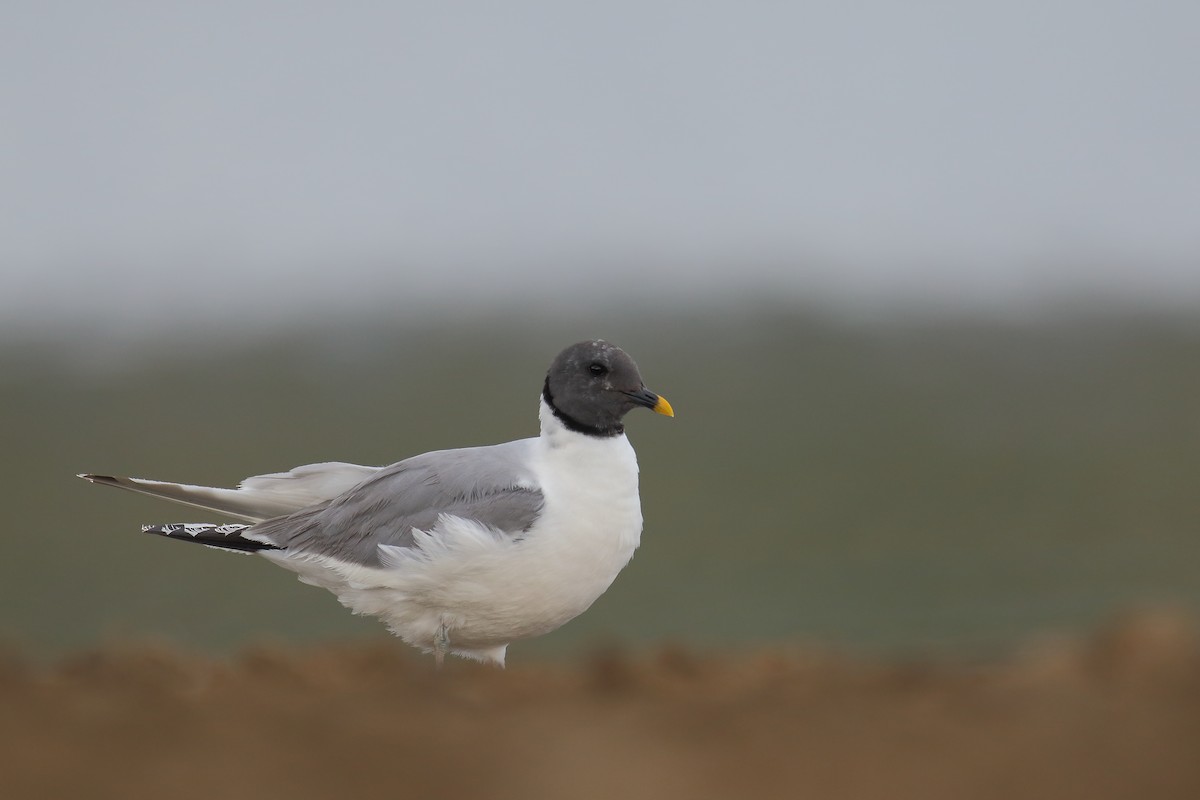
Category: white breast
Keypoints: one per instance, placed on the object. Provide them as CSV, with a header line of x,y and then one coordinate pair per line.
x,y
590,525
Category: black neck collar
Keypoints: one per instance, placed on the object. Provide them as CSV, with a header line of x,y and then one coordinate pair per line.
x,y
572,424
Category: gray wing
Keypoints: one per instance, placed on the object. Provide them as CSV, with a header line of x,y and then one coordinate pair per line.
x,y
490,485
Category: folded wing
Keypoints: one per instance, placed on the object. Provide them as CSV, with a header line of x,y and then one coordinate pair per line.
x,y
492,486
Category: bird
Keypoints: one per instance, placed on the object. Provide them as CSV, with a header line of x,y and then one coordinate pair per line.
x,y
459,551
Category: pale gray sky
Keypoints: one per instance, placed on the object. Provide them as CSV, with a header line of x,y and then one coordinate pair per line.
x,y
209,159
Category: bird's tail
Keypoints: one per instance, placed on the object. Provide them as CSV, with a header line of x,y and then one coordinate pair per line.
x,y
258,498
222,537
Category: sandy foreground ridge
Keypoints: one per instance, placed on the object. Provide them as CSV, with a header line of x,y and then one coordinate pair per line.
x,y
1113,716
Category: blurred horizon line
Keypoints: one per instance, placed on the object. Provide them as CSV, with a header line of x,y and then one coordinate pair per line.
x,y
103,341
127,301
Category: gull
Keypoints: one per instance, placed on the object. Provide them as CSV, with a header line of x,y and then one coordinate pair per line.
x,y
458,551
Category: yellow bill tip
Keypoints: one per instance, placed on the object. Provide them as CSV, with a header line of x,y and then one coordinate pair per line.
x,y
663,407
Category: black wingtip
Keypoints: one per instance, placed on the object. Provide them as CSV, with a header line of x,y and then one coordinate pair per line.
x,y
222,537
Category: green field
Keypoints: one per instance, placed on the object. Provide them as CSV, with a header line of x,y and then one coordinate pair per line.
x,y
895,485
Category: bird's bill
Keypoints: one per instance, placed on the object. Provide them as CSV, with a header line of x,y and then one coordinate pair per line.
x,y
652,401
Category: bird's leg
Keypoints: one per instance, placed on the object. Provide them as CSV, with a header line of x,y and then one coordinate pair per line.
x,y
441,644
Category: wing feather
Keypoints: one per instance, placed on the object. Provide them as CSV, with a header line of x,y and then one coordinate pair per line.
x,y
493,486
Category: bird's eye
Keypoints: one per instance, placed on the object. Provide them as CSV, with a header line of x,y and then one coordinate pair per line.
x,y
597,369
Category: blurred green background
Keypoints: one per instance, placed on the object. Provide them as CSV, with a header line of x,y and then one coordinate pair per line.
x,y
892,485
